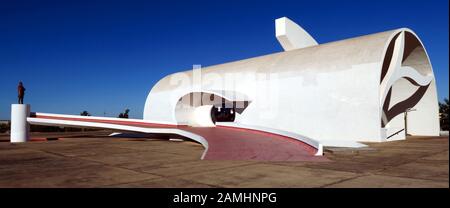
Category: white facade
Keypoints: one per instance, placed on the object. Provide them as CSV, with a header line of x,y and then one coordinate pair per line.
x,y
338,93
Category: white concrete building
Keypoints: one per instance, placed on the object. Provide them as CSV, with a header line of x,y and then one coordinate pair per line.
x,y
373,88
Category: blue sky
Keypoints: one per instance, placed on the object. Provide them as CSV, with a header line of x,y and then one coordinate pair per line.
x,y
104,56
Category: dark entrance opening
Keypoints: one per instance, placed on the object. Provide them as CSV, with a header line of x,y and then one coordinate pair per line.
x,y
222,114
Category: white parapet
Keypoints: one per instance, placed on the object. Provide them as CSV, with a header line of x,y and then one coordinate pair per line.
x,y
19,125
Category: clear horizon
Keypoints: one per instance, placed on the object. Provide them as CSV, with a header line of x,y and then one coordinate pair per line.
x,y
104,56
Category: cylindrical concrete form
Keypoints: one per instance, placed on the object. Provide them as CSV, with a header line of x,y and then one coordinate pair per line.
x,y
201,116
19,125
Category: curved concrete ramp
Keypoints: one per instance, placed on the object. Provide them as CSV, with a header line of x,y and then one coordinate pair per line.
x,y
227,143
221,143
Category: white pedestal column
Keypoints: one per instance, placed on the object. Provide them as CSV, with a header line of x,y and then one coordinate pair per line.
x,y
19,126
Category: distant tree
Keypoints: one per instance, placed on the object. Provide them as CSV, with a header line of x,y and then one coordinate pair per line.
x,y
125,114
85,113
4,127
443,114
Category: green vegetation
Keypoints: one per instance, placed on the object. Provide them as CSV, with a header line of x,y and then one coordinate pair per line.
x,y
85,113
4,127
443,114
125,114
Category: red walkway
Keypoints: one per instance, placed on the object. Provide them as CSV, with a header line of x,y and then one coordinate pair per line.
x,y
227,143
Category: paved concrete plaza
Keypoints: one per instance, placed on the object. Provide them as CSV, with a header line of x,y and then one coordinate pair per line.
x,y
92,159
